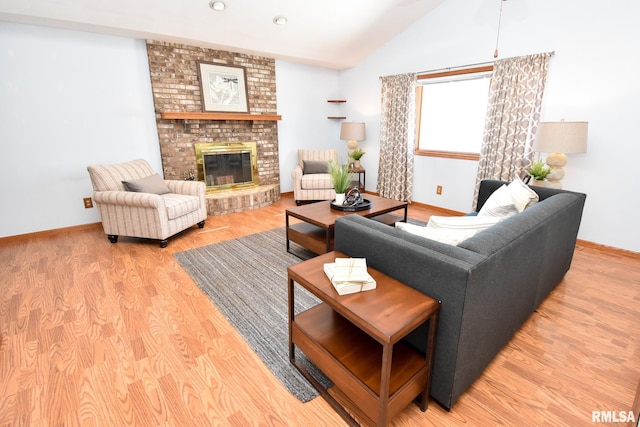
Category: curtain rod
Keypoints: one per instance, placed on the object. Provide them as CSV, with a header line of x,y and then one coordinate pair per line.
x,y
462,67
459,67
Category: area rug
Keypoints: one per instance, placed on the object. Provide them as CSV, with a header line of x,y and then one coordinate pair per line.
x,y
246,278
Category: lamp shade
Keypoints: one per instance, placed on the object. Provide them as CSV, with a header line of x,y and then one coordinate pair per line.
x,y
352,131
561,137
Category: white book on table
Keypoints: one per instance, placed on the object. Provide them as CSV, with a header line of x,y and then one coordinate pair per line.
x,y
360,282
350,270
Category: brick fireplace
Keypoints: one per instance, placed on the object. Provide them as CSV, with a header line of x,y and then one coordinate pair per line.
x,y
176,89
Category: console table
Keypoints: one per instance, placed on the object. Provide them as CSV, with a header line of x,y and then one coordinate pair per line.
x,y
355,340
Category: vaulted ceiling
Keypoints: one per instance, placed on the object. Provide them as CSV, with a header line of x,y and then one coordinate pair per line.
x,y
330,33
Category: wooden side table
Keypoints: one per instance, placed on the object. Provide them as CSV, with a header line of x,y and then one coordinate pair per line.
x,y
356,341
361,172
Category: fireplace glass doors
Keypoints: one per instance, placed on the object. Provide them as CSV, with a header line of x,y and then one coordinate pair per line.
x,y
227,165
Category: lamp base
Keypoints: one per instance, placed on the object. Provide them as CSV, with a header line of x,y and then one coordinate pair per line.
x,y
556,161
352,144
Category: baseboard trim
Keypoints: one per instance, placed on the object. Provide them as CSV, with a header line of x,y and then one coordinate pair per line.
x,y
48,233
611,250
445,211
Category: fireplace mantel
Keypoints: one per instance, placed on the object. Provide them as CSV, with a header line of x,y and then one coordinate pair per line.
x,y
181,115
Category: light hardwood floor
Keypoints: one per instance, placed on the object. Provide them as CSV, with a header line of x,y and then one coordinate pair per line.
x,y
97,334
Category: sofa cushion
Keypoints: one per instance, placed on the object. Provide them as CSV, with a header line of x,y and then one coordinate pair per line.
x,y
316,181
315,166
499,204
509,200
180,204
523,196
450,230
151,184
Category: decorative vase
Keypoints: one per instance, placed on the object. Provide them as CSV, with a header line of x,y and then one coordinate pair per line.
x,y
339,198
356,164
538,182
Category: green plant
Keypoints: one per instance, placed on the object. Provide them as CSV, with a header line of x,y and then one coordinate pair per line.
x,y
340,176
538,170
357,154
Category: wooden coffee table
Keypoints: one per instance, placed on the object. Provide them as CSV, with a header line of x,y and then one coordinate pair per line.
x,y
356,340
316,231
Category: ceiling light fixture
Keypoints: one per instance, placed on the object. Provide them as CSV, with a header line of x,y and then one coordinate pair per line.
x,y
217,5
280,20
495,52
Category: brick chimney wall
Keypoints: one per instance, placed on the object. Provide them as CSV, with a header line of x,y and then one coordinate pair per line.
x,y
175,83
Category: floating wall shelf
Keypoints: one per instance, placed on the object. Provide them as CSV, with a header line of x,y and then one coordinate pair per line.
x,y
336,101
170,115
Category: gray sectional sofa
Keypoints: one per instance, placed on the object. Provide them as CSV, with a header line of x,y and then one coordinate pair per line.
x,y
489,284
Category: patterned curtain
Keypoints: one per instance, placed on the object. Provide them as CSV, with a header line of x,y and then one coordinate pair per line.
x,y
397,135
513,113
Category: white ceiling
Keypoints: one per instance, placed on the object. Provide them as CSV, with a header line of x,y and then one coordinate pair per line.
x,y
330,33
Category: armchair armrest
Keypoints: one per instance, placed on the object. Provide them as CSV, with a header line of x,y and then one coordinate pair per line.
x,y
297,173
128,198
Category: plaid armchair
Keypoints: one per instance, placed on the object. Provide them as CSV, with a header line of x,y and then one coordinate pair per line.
x,y
310,184
135,201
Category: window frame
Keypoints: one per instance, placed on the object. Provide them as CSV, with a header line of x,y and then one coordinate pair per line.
x,y
443,153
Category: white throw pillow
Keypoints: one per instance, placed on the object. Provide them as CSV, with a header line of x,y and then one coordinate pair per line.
x,y
523,196
450,230
462,222
509,200
499,204
418,230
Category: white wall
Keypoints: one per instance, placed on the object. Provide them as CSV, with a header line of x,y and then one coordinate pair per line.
x,y
302,93
67,99
592,77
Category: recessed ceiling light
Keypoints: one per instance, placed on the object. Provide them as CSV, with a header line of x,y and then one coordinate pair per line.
x,y
280,20
217,5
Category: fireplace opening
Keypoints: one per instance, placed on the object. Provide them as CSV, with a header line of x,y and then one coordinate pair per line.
x,y
227,165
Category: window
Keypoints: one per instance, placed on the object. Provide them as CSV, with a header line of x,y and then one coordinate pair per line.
x,y
450,112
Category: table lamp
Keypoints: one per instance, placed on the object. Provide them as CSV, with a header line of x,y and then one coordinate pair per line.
x,y
559,138
352,132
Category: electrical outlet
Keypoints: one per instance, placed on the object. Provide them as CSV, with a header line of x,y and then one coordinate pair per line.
x,y
88,203
439,189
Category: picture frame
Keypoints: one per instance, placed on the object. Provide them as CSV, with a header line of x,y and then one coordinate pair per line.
x,y
223,88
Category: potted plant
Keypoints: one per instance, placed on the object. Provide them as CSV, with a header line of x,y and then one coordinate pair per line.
x,y
340,179
539,171
356,155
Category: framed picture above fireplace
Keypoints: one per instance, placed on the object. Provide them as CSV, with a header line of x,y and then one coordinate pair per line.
x,y
223,88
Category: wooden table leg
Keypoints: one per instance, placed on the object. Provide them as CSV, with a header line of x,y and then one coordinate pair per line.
x,y
291,292
385,377
287,230
431,343
328,237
